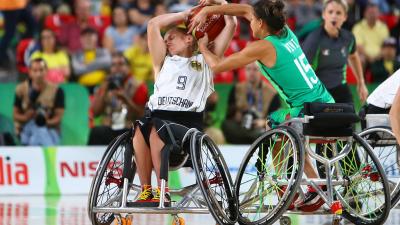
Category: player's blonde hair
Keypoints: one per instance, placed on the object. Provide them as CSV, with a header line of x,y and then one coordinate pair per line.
x,y
343,3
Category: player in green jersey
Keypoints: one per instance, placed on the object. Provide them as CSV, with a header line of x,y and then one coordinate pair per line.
x,y
279,57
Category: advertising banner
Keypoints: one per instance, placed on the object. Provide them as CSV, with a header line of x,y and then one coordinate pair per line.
x,y
69,170
22,171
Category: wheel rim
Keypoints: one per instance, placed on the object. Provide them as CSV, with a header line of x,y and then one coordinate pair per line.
x,y
363,197
385,147
213,176
108,187
268,178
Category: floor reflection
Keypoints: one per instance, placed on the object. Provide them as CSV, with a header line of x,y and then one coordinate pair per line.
x,y
71,210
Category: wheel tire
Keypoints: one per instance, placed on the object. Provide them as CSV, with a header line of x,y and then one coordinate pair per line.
x,y
111,170
359,174
227,212
382,140
252,208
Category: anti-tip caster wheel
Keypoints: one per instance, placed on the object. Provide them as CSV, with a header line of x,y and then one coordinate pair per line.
x,y
336,220
285,220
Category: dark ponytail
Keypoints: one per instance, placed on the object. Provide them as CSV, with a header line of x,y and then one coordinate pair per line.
x,y
272,13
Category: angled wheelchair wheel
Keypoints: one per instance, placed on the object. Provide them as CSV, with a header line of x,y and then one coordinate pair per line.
x,y
365,195
269,176
214,179
385,147
106,189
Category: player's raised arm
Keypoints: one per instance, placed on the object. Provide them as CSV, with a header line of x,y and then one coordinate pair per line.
x,y
242,10
157,47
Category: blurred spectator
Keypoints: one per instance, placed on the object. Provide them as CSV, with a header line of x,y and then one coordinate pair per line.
x,y
124,3
353,14
388,64
395,32
14,12
90,64
330,48
38,108
249,104
56,59
59,19
69,33
181,5
304,12
369,34
142,10
139,58
119,101
119,36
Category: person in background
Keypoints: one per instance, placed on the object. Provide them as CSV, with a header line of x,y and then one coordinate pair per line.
x,y
38,108
13,12
388,64
69,33
249,104
140,59
370,34
56,59
90,65
305,12
141,11
120,35
118,101
330,48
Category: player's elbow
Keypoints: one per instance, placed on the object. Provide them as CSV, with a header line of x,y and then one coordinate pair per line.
x,y
153,23
231,21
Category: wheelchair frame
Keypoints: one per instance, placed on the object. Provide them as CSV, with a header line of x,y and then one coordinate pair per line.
x,y
191,195
329,164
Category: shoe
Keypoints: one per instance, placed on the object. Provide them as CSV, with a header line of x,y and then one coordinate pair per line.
x,y
146,195
145,199
167,199
312,200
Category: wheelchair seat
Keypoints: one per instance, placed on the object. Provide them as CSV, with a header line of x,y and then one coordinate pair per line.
x,y
330,119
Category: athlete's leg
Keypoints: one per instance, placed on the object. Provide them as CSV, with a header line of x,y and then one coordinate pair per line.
x,y
143,158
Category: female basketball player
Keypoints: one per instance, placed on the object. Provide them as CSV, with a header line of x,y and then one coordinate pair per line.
x,y
279,57
183,81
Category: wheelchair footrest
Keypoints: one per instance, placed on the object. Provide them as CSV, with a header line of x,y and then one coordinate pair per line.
x,y
147,204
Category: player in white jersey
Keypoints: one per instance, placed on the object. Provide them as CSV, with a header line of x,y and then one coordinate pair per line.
x,y
183,81
381,99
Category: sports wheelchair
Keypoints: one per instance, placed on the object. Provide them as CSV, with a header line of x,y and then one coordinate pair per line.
x,y
270,176
377,132
115,188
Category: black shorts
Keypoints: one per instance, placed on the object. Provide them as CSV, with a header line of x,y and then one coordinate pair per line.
x,y
341,94
179,123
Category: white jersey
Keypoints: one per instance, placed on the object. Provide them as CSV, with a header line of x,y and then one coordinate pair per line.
x,y
384,94
183,84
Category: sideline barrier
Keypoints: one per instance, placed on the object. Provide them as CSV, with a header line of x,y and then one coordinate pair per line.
x,y
69,170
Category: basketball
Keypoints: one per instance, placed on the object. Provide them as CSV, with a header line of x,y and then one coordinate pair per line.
x,y
213,25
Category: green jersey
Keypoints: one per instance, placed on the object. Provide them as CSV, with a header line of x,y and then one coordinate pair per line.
x,y
292,75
